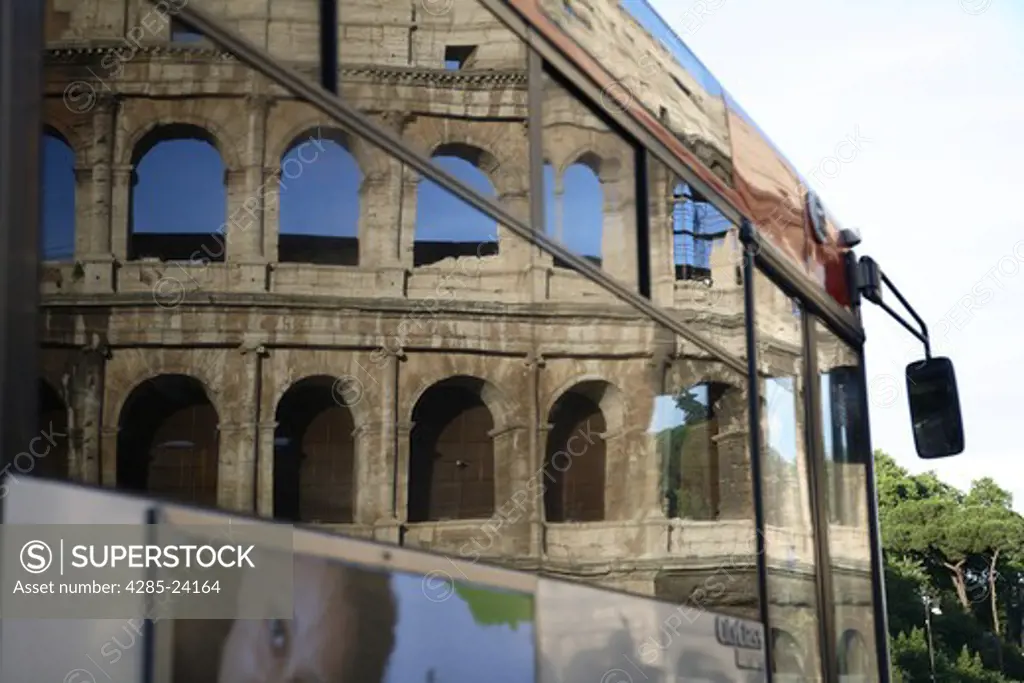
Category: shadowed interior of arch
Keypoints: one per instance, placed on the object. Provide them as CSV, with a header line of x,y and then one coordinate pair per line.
x,y
451,453
53,422
314,454
576,456
168,441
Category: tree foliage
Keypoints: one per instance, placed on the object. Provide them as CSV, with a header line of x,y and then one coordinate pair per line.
x,y
962,552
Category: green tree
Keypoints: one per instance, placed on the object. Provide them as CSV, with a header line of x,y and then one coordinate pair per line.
x,y
491,607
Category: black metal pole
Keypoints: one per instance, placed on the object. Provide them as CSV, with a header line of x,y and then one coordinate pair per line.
x,y
329,45
21,88
754,406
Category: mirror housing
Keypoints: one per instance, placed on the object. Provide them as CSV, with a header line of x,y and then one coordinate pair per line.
x,y
935,408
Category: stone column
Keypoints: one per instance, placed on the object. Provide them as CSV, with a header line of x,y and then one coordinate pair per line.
x,y
535,482
122,180
85,414
514,252
265,468
381,212
511,485
246,191
381,473
270,181
401,478
93,189
736,497
662,242
108,455
618,234
239,436
242,223
407,226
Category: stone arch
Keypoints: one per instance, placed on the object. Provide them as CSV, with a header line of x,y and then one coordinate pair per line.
x,y
471,152
500,407
168,440
854,656
451,451
586,156
788,656
575,451
213,132
314,453
66,133
466,230
320,184
606,394
201,367
48,455
58,196
175,230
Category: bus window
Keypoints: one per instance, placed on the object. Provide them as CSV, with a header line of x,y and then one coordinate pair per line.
x,y
789,525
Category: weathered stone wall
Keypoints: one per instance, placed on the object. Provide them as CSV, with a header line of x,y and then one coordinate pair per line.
x,y
251,327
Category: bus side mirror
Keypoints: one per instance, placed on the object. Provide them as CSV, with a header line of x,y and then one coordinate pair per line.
x,y
935,408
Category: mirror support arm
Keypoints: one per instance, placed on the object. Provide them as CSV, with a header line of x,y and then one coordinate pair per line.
x,y
870,279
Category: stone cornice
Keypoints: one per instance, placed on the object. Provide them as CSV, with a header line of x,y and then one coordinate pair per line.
x,y
74,53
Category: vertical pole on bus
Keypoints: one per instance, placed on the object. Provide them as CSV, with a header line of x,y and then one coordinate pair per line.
x,y
21,87
747,239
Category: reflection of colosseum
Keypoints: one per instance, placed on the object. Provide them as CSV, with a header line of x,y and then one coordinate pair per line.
x,y
362,350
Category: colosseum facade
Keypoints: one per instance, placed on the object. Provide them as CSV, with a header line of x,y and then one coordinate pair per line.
x,y
419,374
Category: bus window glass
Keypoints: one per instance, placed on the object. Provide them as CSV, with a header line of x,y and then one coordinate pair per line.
x,y
272,329
844,431
789,527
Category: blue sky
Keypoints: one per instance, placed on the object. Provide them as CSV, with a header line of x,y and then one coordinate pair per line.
x,y
439,634
319,196
938,91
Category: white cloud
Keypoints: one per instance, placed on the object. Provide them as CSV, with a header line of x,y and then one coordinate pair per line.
x,y
936,193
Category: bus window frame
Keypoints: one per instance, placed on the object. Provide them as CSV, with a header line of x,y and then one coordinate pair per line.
x,y
760,256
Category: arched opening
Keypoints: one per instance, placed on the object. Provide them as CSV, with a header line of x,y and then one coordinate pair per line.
x,y
687,427
446,226
58,211
696,226
854,659
167,441
787,655
170,163
319,200
575,456
451,453
314,454
574,208
50,453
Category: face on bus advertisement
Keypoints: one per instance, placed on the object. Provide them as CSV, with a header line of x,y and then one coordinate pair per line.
x,y
356,625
